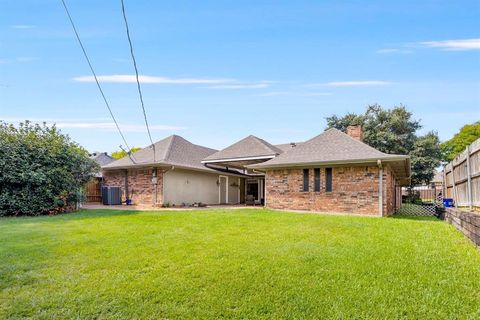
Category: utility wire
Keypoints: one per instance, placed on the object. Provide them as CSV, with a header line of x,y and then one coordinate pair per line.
x,y
136,77
96,80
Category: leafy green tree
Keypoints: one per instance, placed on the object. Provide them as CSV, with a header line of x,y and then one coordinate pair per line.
x,y
341,123
121,153
393,131
388,130
41,170
425,157
467,134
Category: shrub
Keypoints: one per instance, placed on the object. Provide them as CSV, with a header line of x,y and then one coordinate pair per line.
x,y
41,170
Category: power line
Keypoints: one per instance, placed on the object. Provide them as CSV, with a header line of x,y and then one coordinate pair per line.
x,y
96,79
136,77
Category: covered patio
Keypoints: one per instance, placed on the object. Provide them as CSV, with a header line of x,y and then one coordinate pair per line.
x,y
248,151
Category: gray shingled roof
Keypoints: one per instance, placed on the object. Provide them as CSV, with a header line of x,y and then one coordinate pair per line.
x,y
248,147
287,146
173,150
332,146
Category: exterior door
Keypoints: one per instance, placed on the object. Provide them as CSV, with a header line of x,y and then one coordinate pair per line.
x,y
223,189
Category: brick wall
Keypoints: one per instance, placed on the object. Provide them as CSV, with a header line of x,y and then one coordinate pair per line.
x,y
466,222
140,187
355,190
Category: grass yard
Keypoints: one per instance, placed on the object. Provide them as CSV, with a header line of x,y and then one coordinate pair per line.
x,y
235,264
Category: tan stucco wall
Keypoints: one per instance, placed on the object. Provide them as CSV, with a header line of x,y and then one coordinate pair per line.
x,y
233,196
184,186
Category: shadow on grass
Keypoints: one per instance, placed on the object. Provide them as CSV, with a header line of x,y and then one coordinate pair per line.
x,y
81,214
417,218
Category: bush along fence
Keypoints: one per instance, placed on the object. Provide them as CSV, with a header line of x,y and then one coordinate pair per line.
x,y
461,178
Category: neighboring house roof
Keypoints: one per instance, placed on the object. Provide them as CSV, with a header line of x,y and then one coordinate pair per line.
x,y
247,148
172,151
438,177
331,147
102,158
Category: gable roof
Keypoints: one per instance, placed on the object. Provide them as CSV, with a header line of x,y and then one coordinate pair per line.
x,y
172,151
249,147
330,147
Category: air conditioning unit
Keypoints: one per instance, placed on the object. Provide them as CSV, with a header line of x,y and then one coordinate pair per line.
x,y
111,195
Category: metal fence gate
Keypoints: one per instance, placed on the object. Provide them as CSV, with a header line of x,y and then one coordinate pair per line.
x,y
420,201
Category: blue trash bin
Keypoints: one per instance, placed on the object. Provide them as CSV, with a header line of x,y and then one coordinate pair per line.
x,y
448,202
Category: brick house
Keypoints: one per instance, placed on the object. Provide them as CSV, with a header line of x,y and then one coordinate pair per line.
x,y
332,172
335,172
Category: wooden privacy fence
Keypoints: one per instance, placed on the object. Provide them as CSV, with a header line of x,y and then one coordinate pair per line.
x,y
461,177
93,190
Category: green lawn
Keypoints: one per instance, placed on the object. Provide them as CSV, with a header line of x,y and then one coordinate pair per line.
x,y
235,263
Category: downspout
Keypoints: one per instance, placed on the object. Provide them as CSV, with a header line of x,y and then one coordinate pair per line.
x,y
380,188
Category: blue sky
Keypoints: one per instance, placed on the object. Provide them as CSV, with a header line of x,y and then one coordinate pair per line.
x,y
216,71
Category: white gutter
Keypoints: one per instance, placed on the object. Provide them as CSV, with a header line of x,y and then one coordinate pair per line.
x,y
325,163
380,188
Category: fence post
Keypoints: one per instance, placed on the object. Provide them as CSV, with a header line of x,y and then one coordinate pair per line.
x,y
455,198
469,180
444,184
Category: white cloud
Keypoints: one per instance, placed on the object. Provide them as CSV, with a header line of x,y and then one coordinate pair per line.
x,y
274,93
299,94
317,94
454,45
125,78
110,126
357,83
240,86
95,123
393,51
23,26
26,59
18,59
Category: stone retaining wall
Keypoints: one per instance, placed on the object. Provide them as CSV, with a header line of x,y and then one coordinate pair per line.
x,y
466,222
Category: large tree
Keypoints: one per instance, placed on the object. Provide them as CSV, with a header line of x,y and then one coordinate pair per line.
x,y
467,134
394,131
41,170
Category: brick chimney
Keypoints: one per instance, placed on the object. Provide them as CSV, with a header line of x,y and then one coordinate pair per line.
x,y
356,132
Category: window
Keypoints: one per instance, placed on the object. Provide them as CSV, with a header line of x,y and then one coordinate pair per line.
x,y
328,180
305,180
317,179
